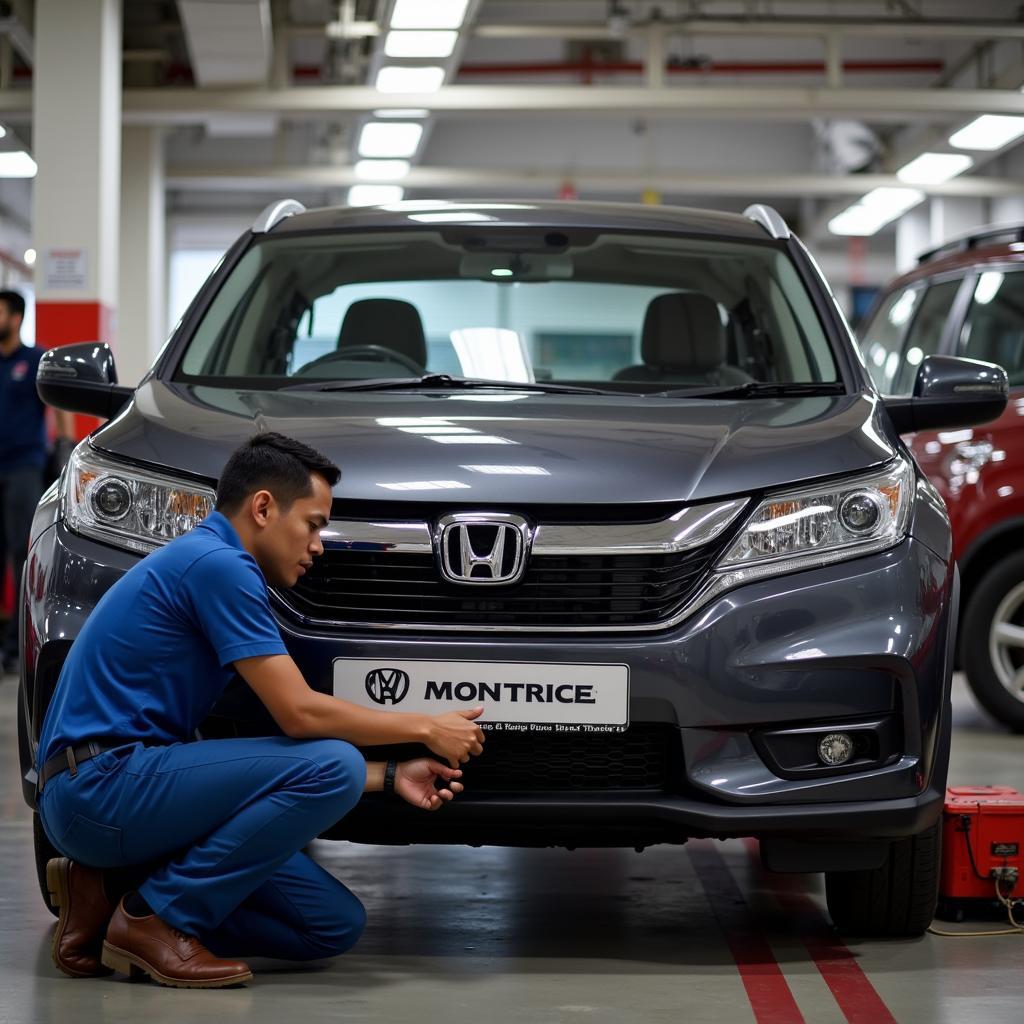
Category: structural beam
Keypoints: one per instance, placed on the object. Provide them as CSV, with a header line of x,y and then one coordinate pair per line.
x,y
478,180
790,28
783,27
780,104
192,106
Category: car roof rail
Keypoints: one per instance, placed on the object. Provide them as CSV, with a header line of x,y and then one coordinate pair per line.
x,y
769,218
274,214
990,233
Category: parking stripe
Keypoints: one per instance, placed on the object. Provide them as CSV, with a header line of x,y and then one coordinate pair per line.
x,y
771,999
858,999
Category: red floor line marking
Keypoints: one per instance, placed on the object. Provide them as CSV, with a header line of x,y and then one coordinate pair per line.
x,y
850,987
768,992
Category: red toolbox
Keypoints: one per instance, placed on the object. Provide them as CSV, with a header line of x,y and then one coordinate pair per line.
x,y
982,835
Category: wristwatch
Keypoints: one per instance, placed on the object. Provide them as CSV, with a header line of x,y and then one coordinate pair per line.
x,y
389,777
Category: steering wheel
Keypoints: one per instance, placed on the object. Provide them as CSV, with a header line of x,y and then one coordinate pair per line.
x,y
361,353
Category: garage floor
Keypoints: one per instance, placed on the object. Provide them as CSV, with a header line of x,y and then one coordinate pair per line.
x,y
673,934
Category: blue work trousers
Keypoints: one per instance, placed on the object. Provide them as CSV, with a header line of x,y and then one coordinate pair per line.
x,y
222,823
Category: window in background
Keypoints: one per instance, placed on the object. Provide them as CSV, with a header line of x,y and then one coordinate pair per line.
x,y
894,352
925,333
882,339
994,328
581,356
189,269
862,298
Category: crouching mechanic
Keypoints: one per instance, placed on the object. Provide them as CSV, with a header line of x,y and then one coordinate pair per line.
x,y
179,852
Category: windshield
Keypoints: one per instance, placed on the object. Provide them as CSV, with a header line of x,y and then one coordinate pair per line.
x,y
633,312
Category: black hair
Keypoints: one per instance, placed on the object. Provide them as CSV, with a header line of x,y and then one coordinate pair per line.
x,y
275,463
15,302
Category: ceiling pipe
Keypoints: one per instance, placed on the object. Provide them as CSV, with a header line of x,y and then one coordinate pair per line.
x,y
512,181
792,28
169,106
795,67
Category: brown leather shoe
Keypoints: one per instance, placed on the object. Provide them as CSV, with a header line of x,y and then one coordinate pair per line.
x,y
84,913
147,945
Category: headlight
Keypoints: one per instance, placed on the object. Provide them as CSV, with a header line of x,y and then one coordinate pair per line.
x,y
815,526
129,507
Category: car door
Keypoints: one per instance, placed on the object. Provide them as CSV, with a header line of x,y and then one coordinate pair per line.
x,y
912,322
981,467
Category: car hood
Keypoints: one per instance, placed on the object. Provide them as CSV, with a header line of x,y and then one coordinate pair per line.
x,y
471,447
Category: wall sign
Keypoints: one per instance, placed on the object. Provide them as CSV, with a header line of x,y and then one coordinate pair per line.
x,y
65,268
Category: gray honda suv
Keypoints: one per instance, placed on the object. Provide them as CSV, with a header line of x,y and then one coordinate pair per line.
x,y
617,473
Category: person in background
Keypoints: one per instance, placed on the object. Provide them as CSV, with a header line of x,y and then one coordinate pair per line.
x,y
23,454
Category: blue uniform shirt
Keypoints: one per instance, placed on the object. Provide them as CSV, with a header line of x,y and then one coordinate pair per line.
x,y
23,437
157,650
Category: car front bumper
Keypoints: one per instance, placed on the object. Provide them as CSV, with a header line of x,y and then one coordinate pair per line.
x,y
866,638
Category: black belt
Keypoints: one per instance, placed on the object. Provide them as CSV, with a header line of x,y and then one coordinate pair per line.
x,y
70,757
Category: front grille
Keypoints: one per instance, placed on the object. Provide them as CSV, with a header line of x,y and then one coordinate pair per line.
x,y
639,758
646,756
369,587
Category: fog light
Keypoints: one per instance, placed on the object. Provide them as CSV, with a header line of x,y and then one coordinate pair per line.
x,y
834,749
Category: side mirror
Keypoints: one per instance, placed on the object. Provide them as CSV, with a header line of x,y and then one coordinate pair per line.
x,y
950,392
82,378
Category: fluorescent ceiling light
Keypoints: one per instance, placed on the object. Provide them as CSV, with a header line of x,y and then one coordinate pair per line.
x,y
934,168
30,257
426,485
473,439
874,210
456,397
390,138
438,430
448,218
428,13
399,78
420,44
423,204
412,421
509,470
374,195
851,222
990,131
402,112
17,164
987,286
381,170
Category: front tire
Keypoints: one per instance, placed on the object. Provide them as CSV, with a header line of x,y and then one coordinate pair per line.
x,y
896,900
992,641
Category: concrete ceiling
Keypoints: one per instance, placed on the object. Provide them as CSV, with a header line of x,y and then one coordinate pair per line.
x,y
717,102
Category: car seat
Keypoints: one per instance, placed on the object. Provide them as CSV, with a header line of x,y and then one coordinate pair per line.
x,y
683,341
391,323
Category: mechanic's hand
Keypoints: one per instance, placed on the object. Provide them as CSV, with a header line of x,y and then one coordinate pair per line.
x,y
415,783
454,736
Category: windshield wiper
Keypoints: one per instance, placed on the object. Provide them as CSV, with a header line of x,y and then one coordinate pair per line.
x,y
439,380
757,388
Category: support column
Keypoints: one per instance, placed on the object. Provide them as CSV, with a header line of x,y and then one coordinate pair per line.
x,y
952,217
140,308
77,143
913,237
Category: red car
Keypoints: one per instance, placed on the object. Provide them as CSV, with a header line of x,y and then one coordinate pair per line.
x,y
967,299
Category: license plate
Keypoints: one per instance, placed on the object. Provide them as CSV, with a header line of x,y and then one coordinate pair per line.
x,y
515,695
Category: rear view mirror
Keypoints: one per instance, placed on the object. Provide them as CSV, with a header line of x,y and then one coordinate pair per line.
x,y
82,378
951,392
